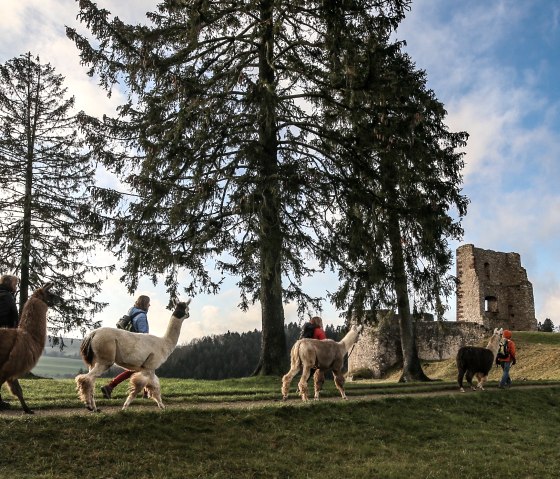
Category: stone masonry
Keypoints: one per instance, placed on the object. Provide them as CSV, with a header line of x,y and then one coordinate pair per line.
x,y
492,291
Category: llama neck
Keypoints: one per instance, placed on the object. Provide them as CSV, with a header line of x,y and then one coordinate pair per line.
x,y
173,330
494,344
349,340
34,321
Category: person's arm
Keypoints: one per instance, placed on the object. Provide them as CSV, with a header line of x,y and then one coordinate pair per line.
x,y
14,313
512,352
141,323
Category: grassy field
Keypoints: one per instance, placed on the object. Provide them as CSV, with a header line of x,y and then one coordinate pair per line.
x,y
394,433
58,367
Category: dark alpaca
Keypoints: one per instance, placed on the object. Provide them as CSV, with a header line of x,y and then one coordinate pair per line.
x,y
21,348
472,360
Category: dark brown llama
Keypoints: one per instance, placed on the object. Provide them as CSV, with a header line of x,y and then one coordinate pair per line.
x,y
477,361
21,348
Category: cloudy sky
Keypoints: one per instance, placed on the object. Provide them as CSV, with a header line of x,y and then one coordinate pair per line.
x,y
493,63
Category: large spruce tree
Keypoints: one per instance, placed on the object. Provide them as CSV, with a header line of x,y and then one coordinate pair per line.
x,y
406,201
45,232
223,142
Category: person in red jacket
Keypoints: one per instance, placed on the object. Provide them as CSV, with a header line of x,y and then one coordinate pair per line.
x,y
506,358
318,332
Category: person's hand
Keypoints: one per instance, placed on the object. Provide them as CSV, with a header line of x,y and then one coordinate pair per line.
x,y
513,361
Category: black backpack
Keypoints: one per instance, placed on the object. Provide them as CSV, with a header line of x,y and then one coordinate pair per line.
x,y
503,351
307,331
126,322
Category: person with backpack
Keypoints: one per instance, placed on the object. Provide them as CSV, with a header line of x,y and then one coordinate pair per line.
x,y
318,332
506,358
313,329
139,324
9,317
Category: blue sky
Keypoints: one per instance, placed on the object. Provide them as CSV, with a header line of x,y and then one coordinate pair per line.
x,y
495,66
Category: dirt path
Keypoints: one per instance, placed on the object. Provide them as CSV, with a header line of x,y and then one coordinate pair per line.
x,y
148,405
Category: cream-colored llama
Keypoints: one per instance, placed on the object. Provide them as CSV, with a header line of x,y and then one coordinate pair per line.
x,y
324,355
139,352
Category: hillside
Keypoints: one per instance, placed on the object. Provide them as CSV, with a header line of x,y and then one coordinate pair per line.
x,y
538,358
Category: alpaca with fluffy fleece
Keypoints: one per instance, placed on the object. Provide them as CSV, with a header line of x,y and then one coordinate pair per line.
x,y
21,347
477,361
324,355
143,353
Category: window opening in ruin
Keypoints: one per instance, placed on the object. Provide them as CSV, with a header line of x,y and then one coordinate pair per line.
x,y
487,270
491,304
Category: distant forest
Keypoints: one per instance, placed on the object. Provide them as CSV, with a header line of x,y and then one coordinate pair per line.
x,y
230,355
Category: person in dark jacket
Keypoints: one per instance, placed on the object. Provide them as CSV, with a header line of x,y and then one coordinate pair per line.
x,y
9,317
139,315
308,329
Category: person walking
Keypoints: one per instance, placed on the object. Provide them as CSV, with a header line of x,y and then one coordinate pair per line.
x,y
139,315
318,332
506,358
9,317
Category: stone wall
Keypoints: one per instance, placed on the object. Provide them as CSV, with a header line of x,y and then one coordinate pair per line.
x,y
493,290
379,346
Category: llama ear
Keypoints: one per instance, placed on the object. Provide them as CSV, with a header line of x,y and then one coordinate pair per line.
x,y
47,286
188,301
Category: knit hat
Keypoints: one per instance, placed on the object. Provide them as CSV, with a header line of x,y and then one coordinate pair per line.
x,y
507,334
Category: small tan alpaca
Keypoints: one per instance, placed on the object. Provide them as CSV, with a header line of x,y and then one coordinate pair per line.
x,y
21,348
143,353
324,355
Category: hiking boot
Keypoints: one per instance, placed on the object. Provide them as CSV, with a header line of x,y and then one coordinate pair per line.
x,y
107,390
4,404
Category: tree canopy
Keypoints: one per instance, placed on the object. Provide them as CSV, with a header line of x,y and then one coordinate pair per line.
x,y
254,134
46,231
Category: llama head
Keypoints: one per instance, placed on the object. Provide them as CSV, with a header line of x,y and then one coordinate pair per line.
x,y
498,331
181,309
47,295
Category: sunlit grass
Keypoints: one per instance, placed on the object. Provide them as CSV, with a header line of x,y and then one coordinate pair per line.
x,y
456,435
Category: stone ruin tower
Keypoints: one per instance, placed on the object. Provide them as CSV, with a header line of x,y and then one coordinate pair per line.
x,y
493,290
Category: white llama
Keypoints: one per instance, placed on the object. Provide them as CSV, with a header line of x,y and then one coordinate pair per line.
x,y
143,353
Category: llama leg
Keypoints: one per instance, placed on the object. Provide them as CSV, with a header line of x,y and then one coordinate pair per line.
x,y
286,381
85,385
318,381
481,380
15,388
154,390
137,383
460,376
469,378
304,390
339,383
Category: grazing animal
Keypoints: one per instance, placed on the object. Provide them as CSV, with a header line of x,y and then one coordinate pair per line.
x,y
21,347
324,355
143,353
477,361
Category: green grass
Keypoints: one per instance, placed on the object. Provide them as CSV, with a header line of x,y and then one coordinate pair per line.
x,y
457,435
393,434
53,367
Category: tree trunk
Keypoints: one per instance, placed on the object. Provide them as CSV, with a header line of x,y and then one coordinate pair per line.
x,y
273,347
31,120
412,369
